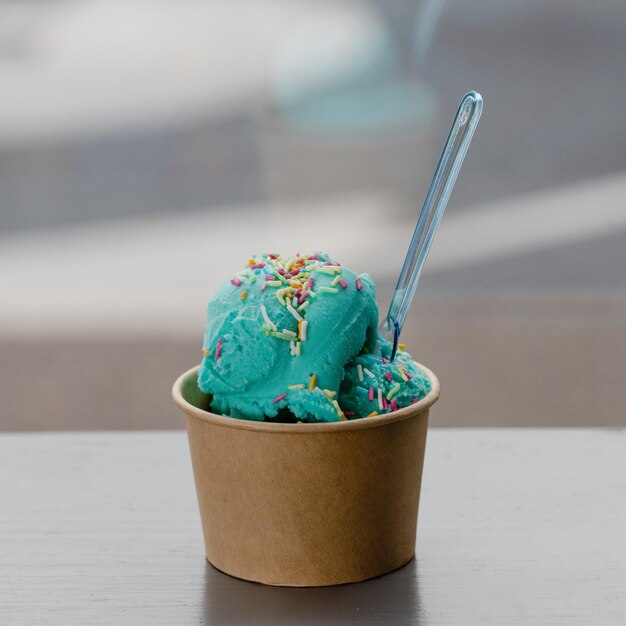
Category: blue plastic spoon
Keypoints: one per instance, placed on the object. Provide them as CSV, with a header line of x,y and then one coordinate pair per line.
x,y
448,168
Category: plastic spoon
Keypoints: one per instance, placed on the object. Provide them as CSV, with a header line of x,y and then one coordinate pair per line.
x,y
437,198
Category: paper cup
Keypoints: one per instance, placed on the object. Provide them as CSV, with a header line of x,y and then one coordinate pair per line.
x,y
306,504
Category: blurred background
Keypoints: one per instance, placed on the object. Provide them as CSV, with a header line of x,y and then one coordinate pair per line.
x,y
147,147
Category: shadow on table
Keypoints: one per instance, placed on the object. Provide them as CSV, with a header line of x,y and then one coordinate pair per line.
x,y
390,599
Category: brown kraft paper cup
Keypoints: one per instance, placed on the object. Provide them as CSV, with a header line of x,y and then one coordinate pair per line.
x,y
306,504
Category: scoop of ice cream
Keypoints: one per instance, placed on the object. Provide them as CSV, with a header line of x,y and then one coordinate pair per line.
x,y
279,334
372,384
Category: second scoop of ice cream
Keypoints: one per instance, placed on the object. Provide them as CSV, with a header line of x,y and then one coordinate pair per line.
x,y
373,385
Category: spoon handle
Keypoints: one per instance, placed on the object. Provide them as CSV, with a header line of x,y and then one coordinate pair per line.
x,y
437,198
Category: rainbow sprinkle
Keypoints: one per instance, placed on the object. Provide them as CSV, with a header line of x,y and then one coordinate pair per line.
x,y
280,294
325,270
282,396
393,391
236,282
359,284
268,321
218,349
312,383
294,312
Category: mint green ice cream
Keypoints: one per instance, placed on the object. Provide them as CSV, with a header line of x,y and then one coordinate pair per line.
x,y
287,340
373,385
279,334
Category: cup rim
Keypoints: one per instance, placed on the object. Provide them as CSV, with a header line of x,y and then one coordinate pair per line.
x,y
304,428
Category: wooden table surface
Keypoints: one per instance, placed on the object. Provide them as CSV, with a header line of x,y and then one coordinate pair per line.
x,y
515,527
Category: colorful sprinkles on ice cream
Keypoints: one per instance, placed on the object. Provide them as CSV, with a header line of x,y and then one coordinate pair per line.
x,y
294,281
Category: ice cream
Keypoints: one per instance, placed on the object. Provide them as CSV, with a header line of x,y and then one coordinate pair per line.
x,y
372,384
295,340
